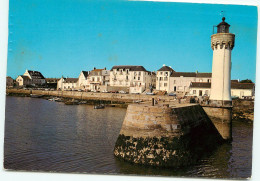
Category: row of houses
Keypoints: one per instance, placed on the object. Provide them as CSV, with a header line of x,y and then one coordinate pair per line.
x,y
130,79
135,79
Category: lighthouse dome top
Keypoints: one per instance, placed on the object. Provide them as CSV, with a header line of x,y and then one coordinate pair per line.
x,y
223,27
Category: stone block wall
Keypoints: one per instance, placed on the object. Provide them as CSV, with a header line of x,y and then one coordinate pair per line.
x,y
165,136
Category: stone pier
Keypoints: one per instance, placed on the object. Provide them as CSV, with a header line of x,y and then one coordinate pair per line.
x,y
167,136
221,117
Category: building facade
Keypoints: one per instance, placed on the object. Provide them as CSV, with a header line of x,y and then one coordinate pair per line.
x,y
67,84
98,79
23,80
36,77
136,78
31,78
163,78
83,81
180,81
240,90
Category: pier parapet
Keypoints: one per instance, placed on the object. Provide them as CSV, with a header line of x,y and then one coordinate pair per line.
x,y
167,136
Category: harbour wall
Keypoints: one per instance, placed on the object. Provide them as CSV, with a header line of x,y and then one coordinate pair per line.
x,y
167,136
95,96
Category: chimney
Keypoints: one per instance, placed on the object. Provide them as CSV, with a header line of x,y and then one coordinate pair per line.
x,y
94,68
105,68
197,71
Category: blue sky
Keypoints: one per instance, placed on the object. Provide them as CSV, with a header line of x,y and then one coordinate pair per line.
x,y
63,37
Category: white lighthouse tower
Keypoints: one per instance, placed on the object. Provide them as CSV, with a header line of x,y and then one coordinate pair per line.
x,y
222,44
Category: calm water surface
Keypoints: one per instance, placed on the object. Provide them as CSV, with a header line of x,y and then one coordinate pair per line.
x,y
49,136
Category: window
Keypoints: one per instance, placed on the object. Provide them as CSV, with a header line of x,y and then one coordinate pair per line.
x,y
200,92
174,81
165,84
194,91
208,80
126,77
138,78
165,78
161,73
134,78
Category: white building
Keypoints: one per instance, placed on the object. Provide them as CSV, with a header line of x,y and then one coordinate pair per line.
x,y
98,79
83,81
32,78
163,78
67,84
240,90
23,80
136,78
180,81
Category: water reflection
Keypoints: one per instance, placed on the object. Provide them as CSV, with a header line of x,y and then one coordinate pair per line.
x,y
51,136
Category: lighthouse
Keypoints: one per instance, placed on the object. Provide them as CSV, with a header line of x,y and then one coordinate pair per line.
x,y
222,44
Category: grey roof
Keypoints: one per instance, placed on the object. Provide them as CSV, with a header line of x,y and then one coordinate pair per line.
x,y
85,73
184,74
35,74
166,68
25,77
130,67
70,80
190,74
234,81
203,74
242,85
51,80
200,84
233,85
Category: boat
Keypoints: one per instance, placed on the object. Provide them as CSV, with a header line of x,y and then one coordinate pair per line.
x,y
36,95
83,102
137,101
55,99
100,106
72,102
